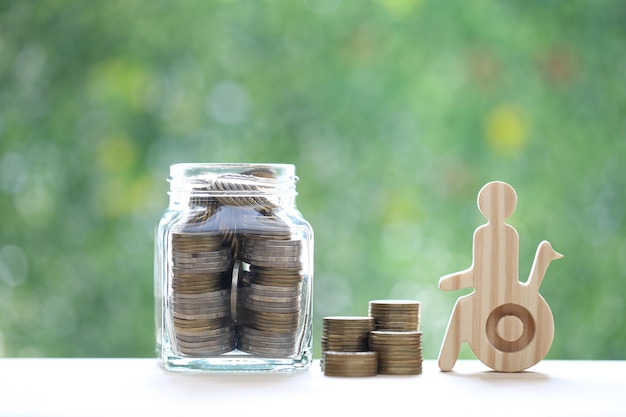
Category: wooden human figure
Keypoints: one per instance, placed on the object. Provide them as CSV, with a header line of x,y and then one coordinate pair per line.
x,y
507,323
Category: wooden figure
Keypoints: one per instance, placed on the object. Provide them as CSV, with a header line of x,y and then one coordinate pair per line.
x,y
507,323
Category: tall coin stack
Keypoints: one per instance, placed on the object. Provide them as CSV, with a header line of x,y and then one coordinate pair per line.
x,y
397,337
201,294
344,340
270,296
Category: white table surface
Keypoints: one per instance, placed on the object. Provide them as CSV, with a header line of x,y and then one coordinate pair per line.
x,y
140,387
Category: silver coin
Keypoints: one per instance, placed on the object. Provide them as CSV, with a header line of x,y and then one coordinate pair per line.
x,y
221,311
208,286
278,316
273,352
275,289
205,241
260,270
190,274
346,323
395,337
259,306
226,341
279,259
251,252
208,335
394,303
255,295
201,302
204,332
192,282
276,327
197,246
190,262
258,246
262,335
271,309
203,269
202,352
275,295
274,264
273,343
207,324
198,331
225,253
200,262
252,237
213,295
201,316
276,281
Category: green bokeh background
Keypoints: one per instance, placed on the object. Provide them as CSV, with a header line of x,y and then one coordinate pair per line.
x,y
395,113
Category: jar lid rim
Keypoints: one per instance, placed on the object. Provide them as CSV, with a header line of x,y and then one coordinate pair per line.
x,y
196,177
213,165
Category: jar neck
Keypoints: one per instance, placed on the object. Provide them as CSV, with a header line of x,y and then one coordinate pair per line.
x,y
271,185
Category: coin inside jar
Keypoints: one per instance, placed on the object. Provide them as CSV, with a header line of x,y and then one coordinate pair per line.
x,y
238,270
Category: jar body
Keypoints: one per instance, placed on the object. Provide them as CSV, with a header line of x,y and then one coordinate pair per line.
x,y
233,271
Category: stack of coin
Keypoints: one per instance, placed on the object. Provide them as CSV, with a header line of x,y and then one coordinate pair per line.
x,y
345,334
200,287
255,225
356,364
271,302
269,313
399,353
270,253
395,315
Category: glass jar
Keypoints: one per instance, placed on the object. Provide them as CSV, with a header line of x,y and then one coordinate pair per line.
x,y
233,271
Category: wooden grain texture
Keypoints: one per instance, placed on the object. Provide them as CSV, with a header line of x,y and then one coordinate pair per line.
x,y
507,323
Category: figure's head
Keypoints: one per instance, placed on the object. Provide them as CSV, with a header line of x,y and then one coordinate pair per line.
x,y
497,200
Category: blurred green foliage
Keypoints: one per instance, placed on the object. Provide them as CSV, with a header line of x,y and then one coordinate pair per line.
x,y
395,113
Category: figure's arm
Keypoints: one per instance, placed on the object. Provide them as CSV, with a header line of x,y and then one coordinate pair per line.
x,y
457,280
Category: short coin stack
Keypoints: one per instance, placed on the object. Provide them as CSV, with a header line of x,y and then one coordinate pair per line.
x,y
347,335
395,315
390,331
399,353
201,294
351,363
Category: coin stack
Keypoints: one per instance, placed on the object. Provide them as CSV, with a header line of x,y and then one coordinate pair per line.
x,y
357,364
391,330
397,338
201,294
269,299
395,315
399,353
346,334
